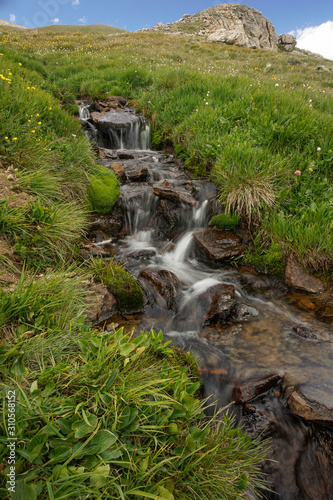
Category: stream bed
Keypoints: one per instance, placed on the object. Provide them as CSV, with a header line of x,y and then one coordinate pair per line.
x,y
259,350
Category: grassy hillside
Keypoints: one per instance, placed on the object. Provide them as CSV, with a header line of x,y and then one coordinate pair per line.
x,y
248,118
98,414
92,29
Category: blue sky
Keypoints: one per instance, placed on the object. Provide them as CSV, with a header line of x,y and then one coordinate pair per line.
x,y
296,16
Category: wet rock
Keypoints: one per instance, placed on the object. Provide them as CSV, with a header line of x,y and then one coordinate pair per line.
x,y
118,170
296,278
250,389
134,195
136,173
310,410
126,156
243,312
173,193
144,254
165,283
305,333
108,224
92,250
101,304
314,468
113,118
214,246
222,300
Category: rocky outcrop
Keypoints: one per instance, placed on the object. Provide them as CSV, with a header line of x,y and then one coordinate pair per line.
x,y
296,278
228,23
288,42
214,246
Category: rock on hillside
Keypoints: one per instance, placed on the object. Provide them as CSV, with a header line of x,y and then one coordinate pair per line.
x,y
229,23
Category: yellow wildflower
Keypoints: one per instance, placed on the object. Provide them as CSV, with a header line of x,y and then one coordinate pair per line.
x,y
14,138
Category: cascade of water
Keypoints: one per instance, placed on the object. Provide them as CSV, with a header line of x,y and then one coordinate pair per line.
x,y
84,113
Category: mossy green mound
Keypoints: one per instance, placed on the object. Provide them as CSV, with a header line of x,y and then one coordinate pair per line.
x,y
103,191
225,221
121,284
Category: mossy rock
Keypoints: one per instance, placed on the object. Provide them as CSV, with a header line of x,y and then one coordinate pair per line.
x,y
103,190
225,221
122,285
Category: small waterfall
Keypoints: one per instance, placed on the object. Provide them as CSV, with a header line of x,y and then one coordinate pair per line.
x,y
132,135
115,129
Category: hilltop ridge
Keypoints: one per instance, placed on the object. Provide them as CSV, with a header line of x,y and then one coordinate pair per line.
x,y
233,24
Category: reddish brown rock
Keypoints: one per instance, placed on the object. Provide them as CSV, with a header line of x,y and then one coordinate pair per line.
x,y
101,304
118,170
173,193
222,301
250,389
214,246
296,278
310,410
165,283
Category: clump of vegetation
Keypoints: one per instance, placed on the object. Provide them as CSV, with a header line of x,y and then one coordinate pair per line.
x,y
225,221
122,285
103,190
118,417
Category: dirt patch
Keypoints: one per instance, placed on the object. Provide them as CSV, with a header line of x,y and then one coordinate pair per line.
x,y
10,189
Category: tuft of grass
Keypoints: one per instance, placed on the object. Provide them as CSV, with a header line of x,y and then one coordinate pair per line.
x,y
42,303
225,221
122,285
103,190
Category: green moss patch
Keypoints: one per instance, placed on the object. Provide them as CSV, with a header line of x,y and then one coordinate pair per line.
x,y
121,284
103,191
225,221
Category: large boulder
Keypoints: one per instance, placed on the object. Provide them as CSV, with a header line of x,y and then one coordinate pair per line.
x,y
215,246
288,42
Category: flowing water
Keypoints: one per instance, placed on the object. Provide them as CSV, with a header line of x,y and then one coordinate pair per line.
x,y
262,342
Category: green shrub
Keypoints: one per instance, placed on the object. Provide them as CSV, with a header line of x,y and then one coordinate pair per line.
x,y
103,190
121,284
225,221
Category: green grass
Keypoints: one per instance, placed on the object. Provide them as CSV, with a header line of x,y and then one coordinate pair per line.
x,y
112,416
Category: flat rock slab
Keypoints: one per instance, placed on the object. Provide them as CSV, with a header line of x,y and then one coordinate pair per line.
x,y
296,278
214,246
173,193
250,389
310,410
136,173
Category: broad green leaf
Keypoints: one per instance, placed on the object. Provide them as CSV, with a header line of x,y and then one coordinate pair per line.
x,y
105,439
34,387
99,476
35,446
82,428
65,424
60,454
242,481
126,349
23,491
112,378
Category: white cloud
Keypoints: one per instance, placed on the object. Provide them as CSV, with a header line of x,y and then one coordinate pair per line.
x,y
317,39
12,18
75,2
83,20
55,20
